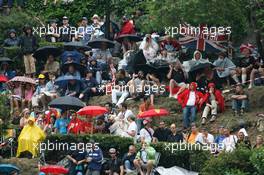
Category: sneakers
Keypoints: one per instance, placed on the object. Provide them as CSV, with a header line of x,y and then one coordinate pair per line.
x,y
235,113
213,118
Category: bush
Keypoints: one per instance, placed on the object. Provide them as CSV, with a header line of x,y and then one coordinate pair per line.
x,y
257,159
4,113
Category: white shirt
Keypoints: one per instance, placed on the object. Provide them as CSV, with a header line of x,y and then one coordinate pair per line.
x,y
192,99
144,134
229,143
124,115
199,138
132,127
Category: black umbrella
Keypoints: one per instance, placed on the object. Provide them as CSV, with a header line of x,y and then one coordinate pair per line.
x,y
99,43
76,46
200,65
62,81
128,37
67,103
43,52
5,59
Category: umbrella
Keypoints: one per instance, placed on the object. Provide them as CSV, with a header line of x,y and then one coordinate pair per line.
x,y
98,43
3,79
67,103
44,52
8,168
92,111
201,64
63,80
76,46
77,66
54,169
74,55
22,79
5,59
153,113
129,37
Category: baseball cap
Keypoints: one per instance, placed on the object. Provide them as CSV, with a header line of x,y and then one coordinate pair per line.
x,y
41,76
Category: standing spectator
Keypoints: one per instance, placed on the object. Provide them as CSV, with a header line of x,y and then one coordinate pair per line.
x,y
53,34
177,78
29,44
146,133
204,137
96,31
229,143
145,158
161,133
259,142
214,101
9,5
12,39
127,26
114,165
94,159
239,100
83,30
120,88
65,31
62,123
190,138
190,99
175,136
149,47
128,159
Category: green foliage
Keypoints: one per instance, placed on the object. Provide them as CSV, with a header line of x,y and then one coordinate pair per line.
x,y
257,159
4,113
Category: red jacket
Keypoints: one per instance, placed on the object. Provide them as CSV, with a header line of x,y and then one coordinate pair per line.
x,y
218,97
184,96
127,28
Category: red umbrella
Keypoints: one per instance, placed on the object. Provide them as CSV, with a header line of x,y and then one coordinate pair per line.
x,y
3,79
92,111
153,113
54,169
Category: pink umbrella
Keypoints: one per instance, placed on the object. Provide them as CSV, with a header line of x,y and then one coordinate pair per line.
x,y
92,111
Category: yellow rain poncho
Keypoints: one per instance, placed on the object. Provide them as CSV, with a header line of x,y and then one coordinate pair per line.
x,y
29,138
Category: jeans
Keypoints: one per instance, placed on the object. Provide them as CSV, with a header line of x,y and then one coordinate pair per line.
x,y
239,104
94,172
98,77
9,3
128,165
189,115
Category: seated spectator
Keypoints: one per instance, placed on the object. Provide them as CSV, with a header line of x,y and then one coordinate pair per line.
x,y
52,66
25,114
75,125
214,102
177,78
7,71
146,133
94,159
137,84
259,142
239,100
114,164
247,64
16,117
53,34
145,159
169,44
128,160
190,99
190,138
204,138
161,133
120,88
220,137
103,56
90,86
61,124
149,47
49,125
28,94
145,106
175,136
229,142
132,128
12,39
73,88
77,159
16,96
40,120
96,69
72,71
152,81
225,67
242,141
38,96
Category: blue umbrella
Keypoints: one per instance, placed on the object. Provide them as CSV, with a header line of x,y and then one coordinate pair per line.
x,y
8,168
62,81
74,55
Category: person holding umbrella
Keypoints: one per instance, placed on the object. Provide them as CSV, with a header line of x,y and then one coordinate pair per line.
x,y
6,70
16,96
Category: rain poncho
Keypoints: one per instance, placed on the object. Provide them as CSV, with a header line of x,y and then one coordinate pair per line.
x,y
29,138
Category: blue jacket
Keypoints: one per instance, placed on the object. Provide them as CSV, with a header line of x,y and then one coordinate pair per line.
x,y
97,157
